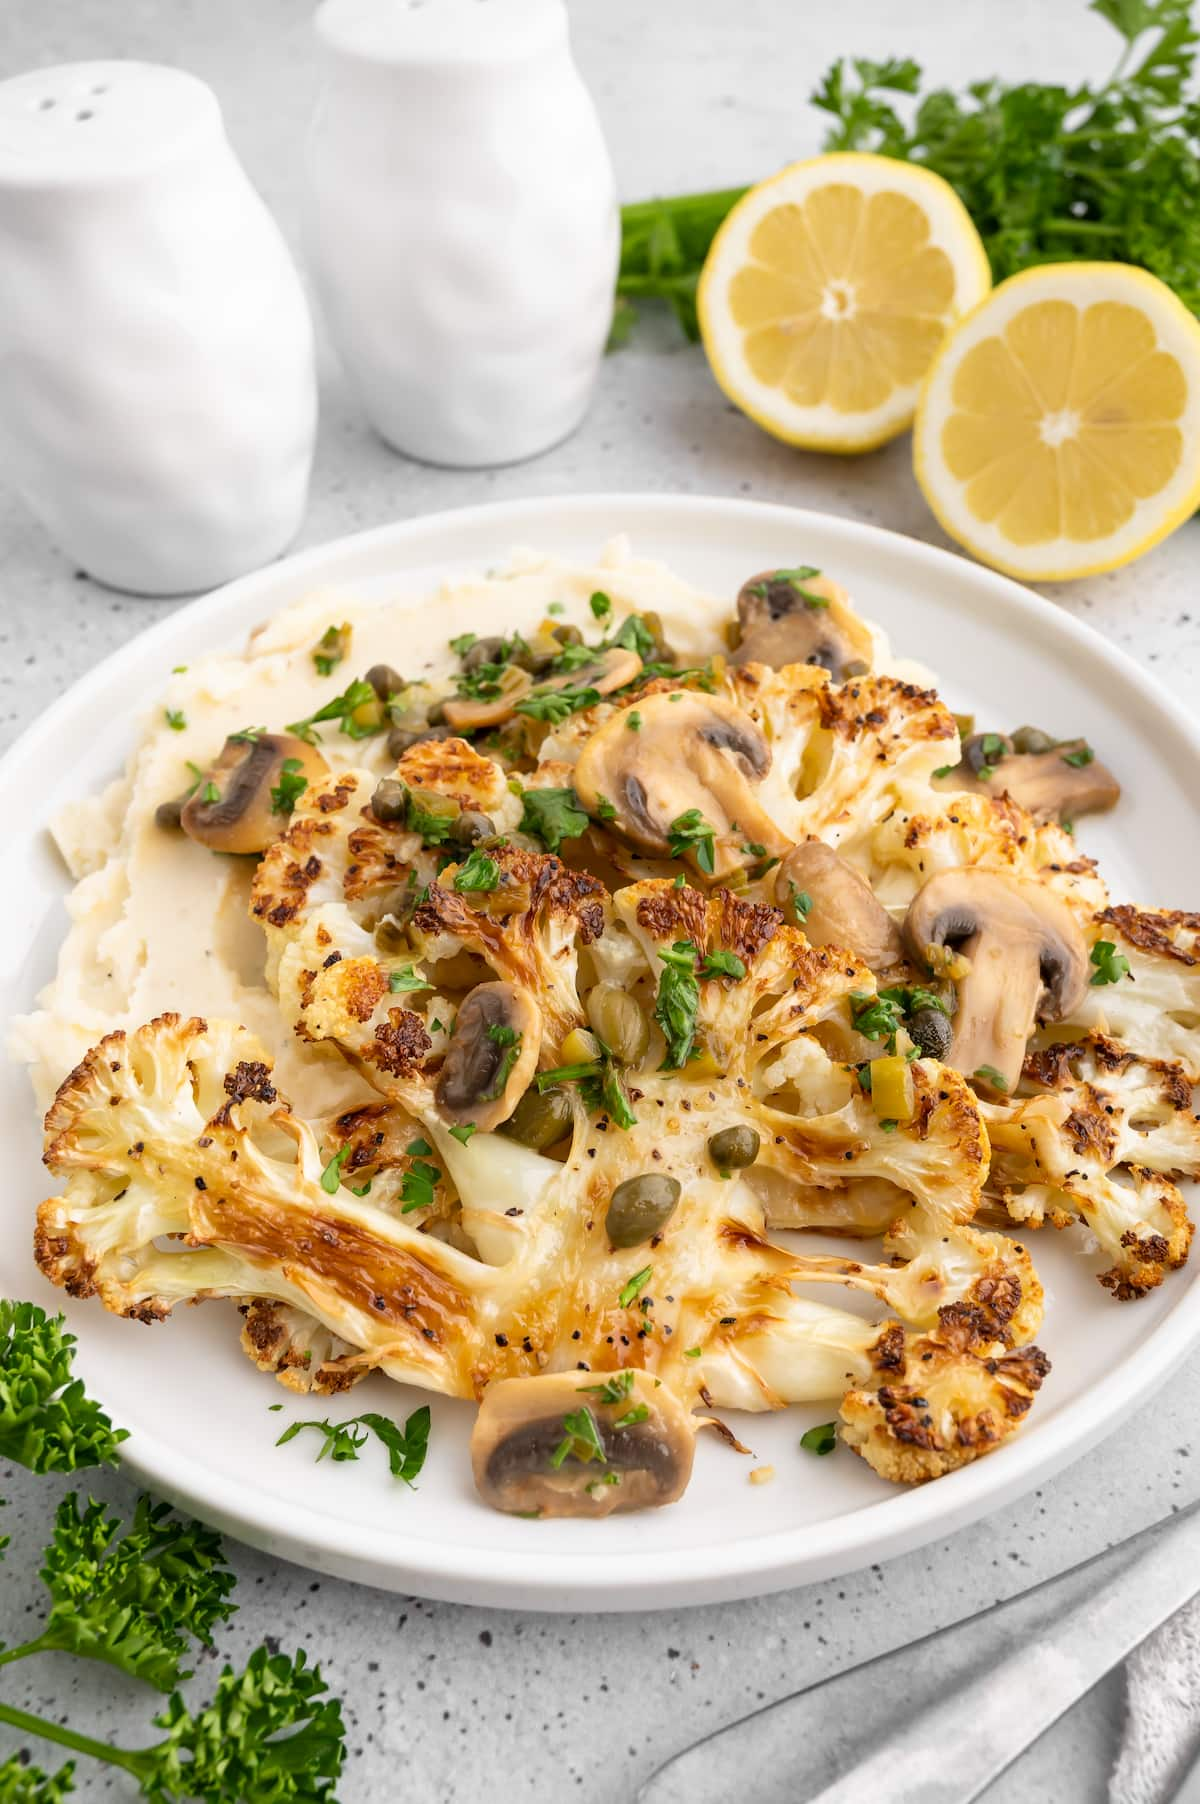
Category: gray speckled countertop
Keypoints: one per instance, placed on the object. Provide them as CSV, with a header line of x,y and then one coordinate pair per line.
x,y
442,1699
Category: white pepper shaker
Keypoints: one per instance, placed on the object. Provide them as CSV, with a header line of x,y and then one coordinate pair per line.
x,y
462,222
157,376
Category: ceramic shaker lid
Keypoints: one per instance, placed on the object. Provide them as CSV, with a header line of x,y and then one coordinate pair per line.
x,y
82,121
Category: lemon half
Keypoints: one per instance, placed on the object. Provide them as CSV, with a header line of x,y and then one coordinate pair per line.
x,y
1058,432
828,291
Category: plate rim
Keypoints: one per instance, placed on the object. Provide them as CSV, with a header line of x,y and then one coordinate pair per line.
x,y
553,1580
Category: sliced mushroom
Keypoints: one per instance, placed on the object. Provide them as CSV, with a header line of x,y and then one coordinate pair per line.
x,y
581,1444
492,1056
842,909
235,806
1060,782
1025,961
465,714
691,751
788,618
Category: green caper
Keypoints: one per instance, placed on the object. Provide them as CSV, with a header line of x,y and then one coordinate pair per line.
x,y
931,1032
169,814
435,714
538,653
389,803
484,651
471,827
620,1023
568,635
733,1148
384,680
640,1208
539,1121
395,908
1032,739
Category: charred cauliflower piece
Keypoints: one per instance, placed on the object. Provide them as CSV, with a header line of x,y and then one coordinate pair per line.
x,y
940,1400
1099,1110
914,1404
1152,1007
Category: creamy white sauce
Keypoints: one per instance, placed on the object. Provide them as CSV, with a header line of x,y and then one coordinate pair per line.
x,y
159,923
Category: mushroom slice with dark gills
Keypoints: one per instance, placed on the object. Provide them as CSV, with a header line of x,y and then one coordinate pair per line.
x,y
1016,955
1055,780
801,617
606,672
243,802
492,1056
680,772
837,907
581,1444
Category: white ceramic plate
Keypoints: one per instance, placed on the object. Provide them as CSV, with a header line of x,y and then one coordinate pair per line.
x,y
201,1433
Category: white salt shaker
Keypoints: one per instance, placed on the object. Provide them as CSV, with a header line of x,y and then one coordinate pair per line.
x,y
462,222
157,378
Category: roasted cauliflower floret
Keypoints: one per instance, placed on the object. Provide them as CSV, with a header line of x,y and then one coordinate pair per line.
x,y
940,1399
1152,1007
1097,1111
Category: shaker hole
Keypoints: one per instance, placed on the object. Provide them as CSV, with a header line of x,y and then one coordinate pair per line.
x,y
102,89
45,105
85,114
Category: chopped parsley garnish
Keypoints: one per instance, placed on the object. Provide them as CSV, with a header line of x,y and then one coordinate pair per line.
x,y
581,1439
604,809
944,770
573,657
462,645
358,708
556,608
613,1390
639,1413
634,635
552,815
796,580
822,1439
801,903
690,832
176,719
631,1290
478,872
678,1003
553,706
991,1076
1078,759
721,964
1111,965
692,1352
600,1086
406,1447
434,829
331,1177
463,1131
418,1148
406,979
600,605
992,748
419,1181
509,1041
210,792
290,787
880,1017
331,648
248,735
633,721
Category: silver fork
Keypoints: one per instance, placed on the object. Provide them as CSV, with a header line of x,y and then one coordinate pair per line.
x,y
1017,1667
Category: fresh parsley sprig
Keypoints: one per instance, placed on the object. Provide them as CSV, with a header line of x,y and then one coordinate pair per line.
x,y
678,1003
552,815
406,1447
1048,172
47,1420
133,1601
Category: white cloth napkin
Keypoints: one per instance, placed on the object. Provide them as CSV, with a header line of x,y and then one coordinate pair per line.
x,y
1162,1717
